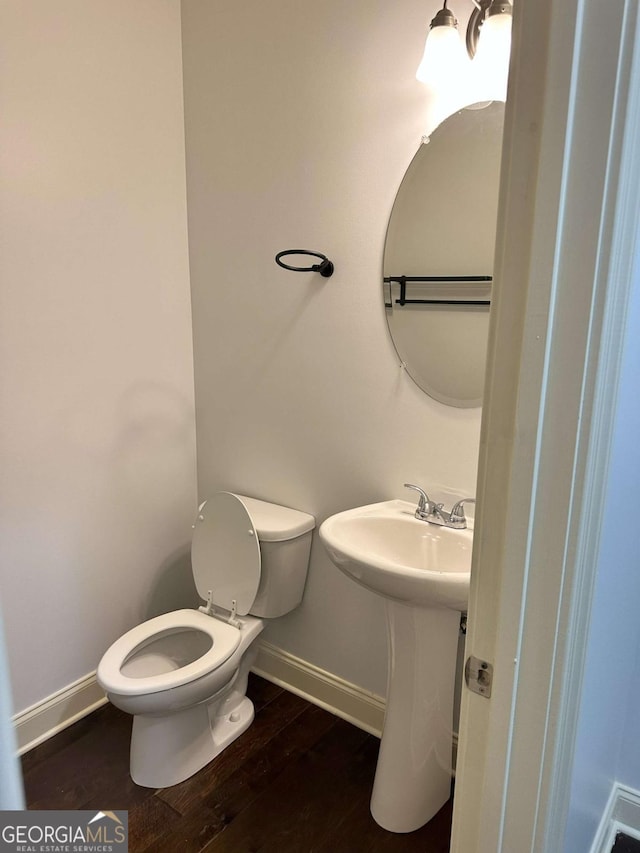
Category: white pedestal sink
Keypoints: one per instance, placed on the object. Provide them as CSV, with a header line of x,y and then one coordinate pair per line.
x,y
423,571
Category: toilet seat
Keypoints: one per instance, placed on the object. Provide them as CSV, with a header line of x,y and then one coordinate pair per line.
x,y
225,554
225,639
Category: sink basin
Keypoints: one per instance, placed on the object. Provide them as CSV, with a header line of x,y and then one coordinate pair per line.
x,y
423,572
386,549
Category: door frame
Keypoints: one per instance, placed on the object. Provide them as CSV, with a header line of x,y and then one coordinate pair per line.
x,y
567,226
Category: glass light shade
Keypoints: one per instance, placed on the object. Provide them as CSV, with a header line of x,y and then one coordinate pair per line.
x,y
491,62
444,60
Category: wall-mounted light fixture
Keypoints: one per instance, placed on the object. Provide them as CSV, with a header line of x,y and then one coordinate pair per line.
x,y
485,70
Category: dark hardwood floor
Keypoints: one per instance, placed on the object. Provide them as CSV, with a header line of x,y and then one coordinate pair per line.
x,y
298,781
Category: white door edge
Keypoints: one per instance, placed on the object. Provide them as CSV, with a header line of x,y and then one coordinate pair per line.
x,y
548,417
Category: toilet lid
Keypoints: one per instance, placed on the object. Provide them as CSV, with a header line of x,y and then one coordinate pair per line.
x,y
225,553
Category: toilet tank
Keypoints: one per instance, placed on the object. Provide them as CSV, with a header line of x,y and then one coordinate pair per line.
x,y
285,544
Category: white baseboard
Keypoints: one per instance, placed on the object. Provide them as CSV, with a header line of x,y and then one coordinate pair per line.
x,y
53,714
622,814
43,720
345,700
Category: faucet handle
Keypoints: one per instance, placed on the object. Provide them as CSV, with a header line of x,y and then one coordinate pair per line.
x,y
424,501
457,510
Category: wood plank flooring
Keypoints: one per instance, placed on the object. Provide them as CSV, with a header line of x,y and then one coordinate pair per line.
x,y
297,781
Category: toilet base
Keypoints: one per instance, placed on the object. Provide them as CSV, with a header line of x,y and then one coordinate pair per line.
x,y
166,750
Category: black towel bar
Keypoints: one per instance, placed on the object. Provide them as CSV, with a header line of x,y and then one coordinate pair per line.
x,y
403,280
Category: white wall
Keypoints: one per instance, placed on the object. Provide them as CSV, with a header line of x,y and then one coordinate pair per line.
x,y
608,735
96,395
301,118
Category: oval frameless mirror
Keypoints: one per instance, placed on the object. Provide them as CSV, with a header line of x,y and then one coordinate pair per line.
x,y
438,256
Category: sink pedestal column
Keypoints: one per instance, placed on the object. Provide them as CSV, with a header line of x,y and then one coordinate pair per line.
x,y
413,776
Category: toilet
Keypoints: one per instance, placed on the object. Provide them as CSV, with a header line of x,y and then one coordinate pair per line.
x,y
183,675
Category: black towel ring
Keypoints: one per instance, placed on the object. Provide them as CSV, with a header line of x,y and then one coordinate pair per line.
x,y
325,268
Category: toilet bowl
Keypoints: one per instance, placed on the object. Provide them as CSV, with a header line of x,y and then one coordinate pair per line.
x,y
183,675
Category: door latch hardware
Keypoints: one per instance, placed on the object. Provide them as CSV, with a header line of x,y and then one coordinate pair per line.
x,y
478,676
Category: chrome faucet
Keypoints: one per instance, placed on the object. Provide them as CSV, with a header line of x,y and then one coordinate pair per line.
x,y
428,510
457,512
